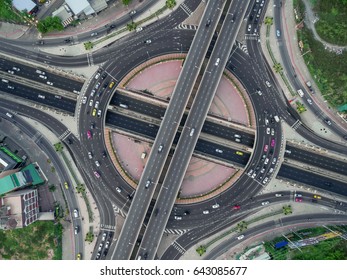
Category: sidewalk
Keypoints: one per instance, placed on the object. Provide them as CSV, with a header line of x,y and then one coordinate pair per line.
x,y
289,32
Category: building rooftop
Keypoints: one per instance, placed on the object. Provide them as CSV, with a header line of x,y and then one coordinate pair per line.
x,y
98,5
22,5
80,6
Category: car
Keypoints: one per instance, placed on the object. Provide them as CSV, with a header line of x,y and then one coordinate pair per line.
x,y
15,68
240,237
278,33
266,161
138,29
239,153
104,75
94,112
147,184
317,196
43,77
327,121
96,105
111,84
238,140
268,83
97,163
104,154
97,256
265,203
10,71
262,171
266,179
76,230
75,213
40,42
215,206
272,131
249,28
94,34
130,196
219,151
92,125
271,170
274,160
133,12
78,257
254,175
273,142
107,244
97,85
66,185
205,212
208,23
178,218
236,207
259,92
298,195
148,41
266,147
67,40
97,175
112,26
100,246
160,148
255,31
10,87
217,61
237,136
298,199
118,189
268,130
103,237
278,194
41,96
92,93
91,102
90,155
250,172
309,101
99,113
192,132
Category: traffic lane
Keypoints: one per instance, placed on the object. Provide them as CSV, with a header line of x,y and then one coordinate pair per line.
x,y
312,179
311,158
39,96
30,73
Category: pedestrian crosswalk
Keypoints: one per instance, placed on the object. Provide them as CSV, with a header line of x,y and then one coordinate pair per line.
x,y
65,135
296,125
186,9
107,227
118,211
187,26
178,247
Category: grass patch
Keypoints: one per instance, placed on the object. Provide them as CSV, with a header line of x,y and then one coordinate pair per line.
x,y
332,24
41,240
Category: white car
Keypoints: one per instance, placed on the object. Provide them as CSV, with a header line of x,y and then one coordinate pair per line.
x,y
49,83
265,203
254,175
249,28
103,238
266,161
15,68
96,104
250,172
97,163
97,85
309,101
92,93
272,132
206,212
97,76
118,189
268,130
240,237
178,218
274,160
99,113
10,71
91,102
265,180
259,92
43,77
90,155
138,29
219,151
107,244
278,194
214,206
84,100
268,83
271,170
75,213
100,246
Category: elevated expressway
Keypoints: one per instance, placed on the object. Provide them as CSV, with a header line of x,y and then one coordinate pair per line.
x,y
167,131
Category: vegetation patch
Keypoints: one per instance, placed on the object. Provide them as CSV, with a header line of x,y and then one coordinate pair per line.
x,y
332,23
41,240
7,13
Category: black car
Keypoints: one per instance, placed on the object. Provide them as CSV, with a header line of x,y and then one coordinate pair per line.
x,y
208,22
104,75
67,40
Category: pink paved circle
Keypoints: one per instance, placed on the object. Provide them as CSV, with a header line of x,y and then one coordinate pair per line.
x,y
202,176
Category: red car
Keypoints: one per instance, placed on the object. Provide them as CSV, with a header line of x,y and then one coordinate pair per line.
x,y
97,175
272,142
89,134
236,207
298,199
266,147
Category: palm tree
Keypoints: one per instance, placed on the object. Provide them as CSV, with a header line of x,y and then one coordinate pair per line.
x,y
269,21
278,67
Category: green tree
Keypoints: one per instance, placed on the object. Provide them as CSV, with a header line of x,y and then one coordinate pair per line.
x,y
52,188
201,250
126,2
58,147
269,21
131,26
241,226
170,3
49,24
278,67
